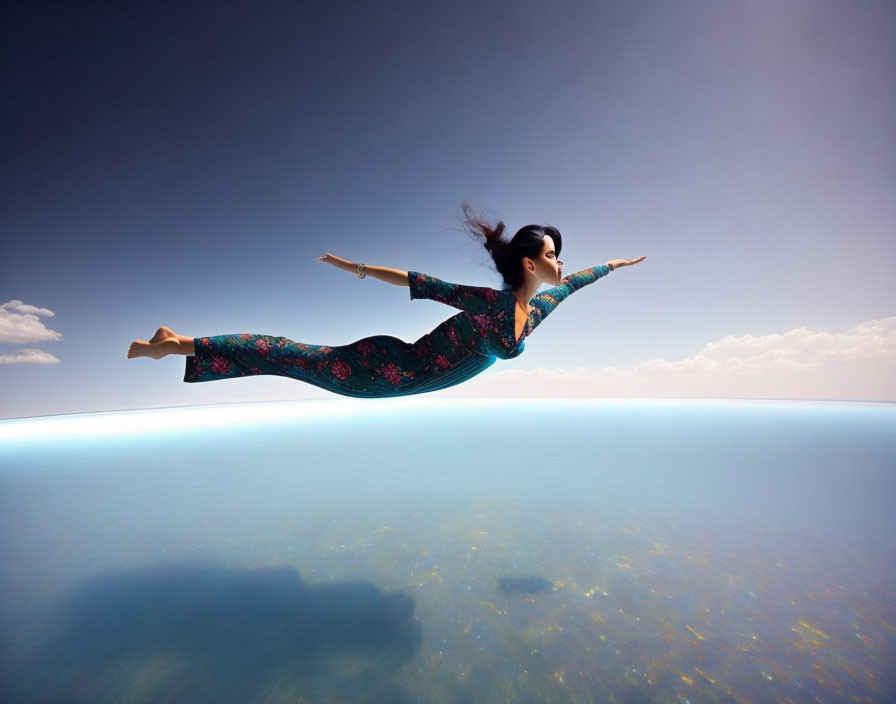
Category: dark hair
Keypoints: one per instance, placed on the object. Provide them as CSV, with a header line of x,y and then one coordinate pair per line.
x,y
508,256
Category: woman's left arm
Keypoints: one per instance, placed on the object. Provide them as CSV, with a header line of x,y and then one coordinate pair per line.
x,y
383,273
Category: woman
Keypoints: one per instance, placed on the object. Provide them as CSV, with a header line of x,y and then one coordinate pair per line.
x,y
492,324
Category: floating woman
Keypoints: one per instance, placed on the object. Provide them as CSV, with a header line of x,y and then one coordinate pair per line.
x,y
492,324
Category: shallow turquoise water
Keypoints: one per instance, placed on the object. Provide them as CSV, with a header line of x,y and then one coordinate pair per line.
x,y
711,551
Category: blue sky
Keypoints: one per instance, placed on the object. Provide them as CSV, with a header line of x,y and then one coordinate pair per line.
x,y
184,164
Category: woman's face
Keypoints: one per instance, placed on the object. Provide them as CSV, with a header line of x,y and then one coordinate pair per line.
x,y
547,267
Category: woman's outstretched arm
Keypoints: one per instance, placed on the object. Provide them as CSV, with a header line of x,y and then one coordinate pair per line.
x,y
383,273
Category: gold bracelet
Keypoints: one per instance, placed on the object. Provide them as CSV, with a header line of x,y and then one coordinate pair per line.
x,y
362,272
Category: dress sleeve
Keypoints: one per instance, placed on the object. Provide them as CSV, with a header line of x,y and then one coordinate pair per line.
x,y
549,299
473,299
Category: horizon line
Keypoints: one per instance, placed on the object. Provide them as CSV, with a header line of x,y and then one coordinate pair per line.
x,y
463,398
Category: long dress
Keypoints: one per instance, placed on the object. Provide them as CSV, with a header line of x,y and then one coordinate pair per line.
x,y
458,349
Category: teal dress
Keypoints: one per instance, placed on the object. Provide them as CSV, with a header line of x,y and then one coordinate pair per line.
x,y
458,349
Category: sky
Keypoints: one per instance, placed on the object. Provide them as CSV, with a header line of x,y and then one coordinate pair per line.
x,y
185,164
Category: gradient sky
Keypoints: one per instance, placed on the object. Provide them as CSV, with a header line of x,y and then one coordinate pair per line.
x,y
185,163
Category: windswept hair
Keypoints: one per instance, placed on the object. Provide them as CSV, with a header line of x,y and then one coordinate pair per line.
x,y
508,256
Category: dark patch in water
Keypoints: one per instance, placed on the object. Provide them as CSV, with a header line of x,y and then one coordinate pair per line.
x,y
222,635
531,584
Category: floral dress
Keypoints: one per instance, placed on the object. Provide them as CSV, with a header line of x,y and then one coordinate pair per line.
x,y
458,349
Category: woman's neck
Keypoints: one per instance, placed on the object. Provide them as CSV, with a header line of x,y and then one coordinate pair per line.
x,y
524,294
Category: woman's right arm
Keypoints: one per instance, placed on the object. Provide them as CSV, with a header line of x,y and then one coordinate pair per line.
x,y
616,263
383,273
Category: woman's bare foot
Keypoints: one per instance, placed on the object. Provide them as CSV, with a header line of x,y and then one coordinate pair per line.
x,y
156,350
163,333
164,342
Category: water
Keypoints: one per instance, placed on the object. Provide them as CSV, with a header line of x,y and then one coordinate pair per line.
x,y
355,551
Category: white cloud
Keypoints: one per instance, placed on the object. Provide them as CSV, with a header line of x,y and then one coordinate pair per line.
x,y
19,323
20,307
28,356
857,364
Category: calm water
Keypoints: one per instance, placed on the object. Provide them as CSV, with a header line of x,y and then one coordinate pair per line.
x,y
427,550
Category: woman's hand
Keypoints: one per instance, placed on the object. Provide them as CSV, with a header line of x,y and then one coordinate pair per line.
x,y
343,264
616,263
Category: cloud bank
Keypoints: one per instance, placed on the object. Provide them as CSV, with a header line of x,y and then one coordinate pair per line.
x,y
858,364
20,323
28,356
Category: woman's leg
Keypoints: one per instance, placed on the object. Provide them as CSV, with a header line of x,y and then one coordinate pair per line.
x,y
243,354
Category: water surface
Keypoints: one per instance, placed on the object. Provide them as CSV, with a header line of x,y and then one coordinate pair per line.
x,y
357,551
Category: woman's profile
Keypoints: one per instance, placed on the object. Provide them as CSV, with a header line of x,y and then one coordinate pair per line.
x,y
492,324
